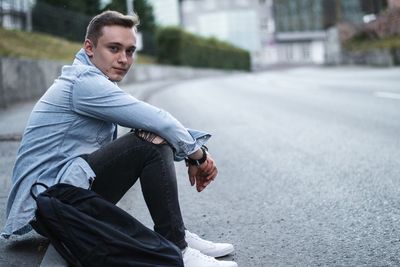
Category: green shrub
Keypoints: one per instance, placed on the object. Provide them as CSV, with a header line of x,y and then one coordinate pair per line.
x,y
176,47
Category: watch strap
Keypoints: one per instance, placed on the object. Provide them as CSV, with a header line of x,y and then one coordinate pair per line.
x,y
200,161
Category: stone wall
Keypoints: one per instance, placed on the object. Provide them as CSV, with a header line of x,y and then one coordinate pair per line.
x,y
375,57
24,79
335,54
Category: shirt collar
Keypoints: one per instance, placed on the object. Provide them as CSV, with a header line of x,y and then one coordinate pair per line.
x,y
81,58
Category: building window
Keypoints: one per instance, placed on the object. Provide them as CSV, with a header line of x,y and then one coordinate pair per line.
x,y
306,51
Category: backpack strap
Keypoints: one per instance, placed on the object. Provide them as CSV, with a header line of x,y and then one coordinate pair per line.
x,y
36,184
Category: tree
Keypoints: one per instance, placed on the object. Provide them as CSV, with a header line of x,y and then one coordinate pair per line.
x,y
64,18
87,7
147,25
142,8
146,15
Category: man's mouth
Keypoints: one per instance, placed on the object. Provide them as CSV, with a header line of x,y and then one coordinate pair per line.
x,y
121,69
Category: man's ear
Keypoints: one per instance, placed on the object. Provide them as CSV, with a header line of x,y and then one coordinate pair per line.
x,y
88,46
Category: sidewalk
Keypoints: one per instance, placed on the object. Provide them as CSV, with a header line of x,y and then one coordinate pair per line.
x,y
30,250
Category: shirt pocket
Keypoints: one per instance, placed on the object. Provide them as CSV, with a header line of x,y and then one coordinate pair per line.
x,y
105,133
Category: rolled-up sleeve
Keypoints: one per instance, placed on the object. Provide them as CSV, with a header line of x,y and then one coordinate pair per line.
x,y
95,96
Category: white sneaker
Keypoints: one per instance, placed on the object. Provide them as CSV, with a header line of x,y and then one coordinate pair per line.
x,y
207,247
194,258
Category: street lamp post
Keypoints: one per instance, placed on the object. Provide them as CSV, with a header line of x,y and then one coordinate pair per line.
x,y
338,10
130,7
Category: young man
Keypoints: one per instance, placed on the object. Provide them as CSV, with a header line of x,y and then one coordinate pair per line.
x,y
71,138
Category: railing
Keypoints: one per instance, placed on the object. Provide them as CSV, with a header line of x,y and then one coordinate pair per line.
x,y
15,14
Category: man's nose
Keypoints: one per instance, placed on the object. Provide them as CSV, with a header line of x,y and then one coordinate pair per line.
x,y
122,57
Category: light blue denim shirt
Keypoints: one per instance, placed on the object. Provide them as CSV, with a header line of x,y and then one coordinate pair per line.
x,y
77,115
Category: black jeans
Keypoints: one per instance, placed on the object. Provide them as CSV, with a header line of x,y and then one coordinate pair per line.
x,y
119,164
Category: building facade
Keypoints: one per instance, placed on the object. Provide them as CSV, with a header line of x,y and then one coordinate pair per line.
x,y
303,26
16,14
299,32
166,12
394,3
244,23
273,31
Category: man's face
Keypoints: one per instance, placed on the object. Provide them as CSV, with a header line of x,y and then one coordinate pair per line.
x,y
113,54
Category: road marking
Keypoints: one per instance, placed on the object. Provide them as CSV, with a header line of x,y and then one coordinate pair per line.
x,y
387,95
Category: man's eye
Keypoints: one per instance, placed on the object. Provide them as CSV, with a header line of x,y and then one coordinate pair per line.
x,y
130,52
113,49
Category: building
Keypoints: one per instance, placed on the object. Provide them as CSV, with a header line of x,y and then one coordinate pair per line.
x,y
302,26
394,3
299,34
166,12
16,14
273,31
244,23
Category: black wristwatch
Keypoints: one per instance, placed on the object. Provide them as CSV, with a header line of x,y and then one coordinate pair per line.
x,y
200,161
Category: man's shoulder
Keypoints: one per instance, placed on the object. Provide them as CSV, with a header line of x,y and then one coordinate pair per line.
x,y
80,70
91,80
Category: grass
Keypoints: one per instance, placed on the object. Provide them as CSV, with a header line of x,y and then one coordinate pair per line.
x,y
20,44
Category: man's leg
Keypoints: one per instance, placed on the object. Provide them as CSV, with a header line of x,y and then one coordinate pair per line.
x,y
118,166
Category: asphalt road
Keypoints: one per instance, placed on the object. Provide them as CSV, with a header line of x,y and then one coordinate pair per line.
x,y
308,166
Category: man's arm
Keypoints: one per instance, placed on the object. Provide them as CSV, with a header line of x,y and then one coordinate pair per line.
x,y
95,96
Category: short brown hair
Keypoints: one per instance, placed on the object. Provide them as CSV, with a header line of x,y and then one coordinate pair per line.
x,y
109,18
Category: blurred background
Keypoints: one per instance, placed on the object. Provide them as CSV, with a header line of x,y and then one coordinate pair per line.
x,y
258,33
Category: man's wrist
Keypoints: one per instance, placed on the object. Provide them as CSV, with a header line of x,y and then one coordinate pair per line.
x,y
197,162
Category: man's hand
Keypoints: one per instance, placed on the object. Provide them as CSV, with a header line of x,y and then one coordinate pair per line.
x,y
202,175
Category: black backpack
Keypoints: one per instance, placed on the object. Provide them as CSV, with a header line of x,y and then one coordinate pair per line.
x,y
87,230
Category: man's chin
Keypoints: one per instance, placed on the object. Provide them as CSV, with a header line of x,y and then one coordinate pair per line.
x,y
116,78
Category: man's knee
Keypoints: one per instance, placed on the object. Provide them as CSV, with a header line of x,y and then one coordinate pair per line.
x,y
150,137
164,149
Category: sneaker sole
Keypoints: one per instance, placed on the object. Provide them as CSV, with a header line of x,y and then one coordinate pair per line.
x,y
220,253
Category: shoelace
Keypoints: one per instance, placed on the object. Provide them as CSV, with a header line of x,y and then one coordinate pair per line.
x,y
194,236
